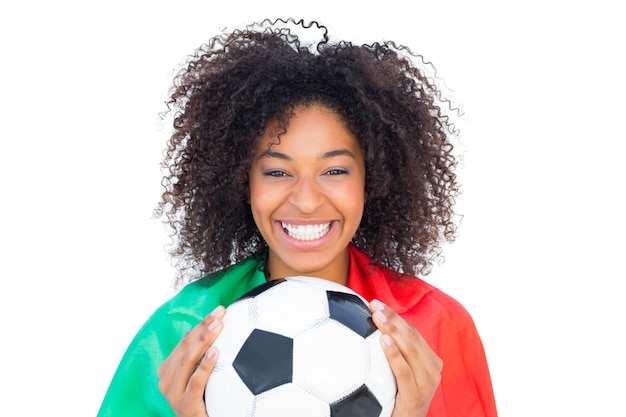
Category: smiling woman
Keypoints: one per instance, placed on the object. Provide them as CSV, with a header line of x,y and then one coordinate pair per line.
x,y
240,84
307,192
328,160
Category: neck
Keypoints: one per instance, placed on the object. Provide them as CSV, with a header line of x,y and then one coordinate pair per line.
x,y
337,270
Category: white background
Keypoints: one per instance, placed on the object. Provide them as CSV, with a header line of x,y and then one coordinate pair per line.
x,y
539,258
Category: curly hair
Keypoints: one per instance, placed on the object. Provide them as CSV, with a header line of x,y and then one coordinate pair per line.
x,y
228,91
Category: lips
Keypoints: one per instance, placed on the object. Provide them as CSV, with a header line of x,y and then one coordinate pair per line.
x,y
306,232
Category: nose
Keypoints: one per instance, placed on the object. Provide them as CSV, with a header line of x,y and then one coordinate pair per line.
x,y
306,195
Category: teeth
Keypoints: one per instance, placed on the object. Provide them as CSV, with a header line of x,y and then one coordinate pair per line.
x,y
308,232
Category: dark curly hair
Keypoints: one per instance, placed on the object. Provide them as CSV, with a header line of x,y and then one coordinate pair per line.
x,y
235,83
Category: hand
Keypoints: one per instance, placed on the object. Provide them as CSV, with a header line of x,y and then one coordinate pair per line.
x,y
184,374
414,364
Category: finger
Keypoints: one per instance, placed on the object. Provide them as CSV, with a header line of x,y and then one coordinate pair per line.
x,y
415,365
401,369
183,360
190,402
199,378
398,358
409,341
174,357
195,349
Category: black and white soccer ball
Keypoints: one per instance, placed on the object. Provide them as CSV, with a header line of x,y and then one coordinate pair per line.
x,y
300,346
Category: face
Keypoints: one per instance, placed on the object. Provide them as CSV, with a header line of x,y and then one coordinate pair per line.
x,y
307,195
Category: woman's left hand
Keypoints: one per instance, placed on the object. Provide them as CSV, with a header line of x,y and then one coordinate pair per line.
x,y
416,367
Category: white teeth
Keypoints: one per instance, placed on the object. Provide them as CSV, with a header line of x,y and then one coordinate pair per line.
x,y
308,232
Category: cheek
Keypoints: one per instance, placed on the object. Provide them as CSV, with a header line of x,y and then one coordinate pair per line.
x,y
255,187
352,203
259,196
357,210
262,202
254,197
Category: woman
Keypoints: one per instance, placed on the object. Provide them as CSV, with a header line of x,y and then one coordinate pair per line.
x,y
328,160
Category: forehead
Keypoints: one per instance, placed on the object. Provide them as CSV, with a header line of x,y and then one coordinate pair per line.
x,y
311,127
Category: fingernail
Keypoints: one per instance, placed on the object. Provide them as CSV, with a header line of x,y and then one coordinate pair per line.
x,y
216,311
213,325
378,305
211,352
380,316
387,340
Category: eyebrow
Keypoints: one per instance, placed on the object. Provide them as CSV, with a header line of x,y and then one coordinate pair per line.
x,y
285,157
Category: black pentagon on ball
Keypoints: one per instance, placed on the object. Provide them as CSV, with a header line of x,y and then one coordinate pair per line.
x,y
361,402
265,361
261,288
351,311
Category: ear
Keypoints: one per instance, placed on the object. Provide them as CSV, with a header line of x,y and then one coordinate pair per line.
x,y
248,193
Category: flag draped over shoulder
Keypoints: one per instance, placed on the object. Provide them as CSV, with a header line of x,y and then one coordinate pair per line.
x,y
134,388
465,388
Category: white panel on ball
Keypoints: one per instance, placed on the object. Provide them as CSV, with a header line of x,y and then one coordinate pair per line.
x,y
289,400
282,301
329,361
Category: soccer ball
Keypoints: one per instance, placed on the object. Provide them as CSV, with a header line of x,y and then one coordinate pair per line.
x,y
300,346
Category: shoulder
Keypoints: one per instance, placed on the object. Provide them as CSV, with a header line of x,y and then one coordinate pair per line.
x,y
429,302
417,301
438,316
199,297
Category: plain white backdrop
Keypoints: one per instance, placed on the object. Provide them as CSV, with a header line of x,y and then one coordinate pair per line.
x,y
539,258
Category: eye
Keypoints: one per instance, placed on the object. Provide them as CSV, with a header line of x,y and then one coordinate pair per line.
x,y
336,171
275,173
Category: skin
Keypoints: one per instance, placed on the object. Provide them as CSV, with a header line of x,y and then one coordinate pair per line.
x,y
315,175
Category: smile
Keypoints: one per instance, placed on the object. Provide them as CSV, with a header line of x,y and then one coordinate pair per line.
x,y
306,232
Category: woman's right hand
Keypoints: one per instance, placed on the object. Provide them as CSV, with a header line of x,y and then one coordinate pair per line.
x,y
184,374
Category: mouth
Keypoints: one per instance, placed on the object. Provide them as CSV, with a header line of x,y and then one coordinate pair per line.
x,y
306,232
